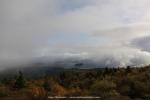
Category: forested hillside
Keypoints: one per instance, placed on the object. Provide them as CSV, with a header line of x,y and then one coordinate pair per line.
x,y
107,83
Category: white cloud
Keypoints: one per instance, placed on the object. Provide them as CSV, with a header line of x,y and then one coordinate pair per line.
x,y
109,25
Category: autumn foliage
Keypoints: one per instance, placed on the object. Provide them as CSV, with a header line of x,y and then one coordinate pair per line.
x,y
108,83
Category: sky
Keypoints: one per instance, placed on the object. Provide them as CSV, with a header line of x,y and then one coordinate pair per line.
x,y
105,32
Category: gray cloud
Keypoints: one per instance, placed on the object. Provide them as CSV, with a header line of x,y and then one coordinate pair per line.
x,y
142,43
100,31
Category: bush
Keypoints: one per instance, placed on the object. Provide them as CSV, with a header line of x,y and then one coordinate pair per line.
x,y
110,95
103,85
3,92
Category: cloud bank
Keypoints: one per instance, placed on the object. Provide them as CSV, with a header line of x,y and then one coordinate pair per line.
x,y
105,32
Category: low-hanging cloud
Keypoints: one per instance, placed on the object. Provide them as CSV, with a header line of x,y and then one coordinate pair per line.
x,y
105,32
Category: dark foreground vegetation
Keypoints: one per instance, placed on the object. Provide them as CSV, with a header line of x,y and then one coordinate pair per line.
x,y
108,83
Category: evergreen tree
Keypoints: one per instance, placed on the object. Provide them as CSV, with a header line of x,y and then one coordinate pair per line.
x,y
49,82
46,84
20,81
128,69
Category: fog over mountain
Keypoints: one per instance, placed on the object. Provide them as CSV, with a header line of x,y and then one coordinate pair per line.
x,y
95,32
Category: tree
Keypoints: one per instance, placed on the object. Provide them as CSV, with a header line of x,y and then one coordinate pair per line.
x,y
20,81
48,83
107,71
128,69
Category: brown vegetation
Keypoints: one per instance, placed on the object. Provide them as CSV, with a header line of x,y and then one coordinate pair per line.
x,y
108,83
